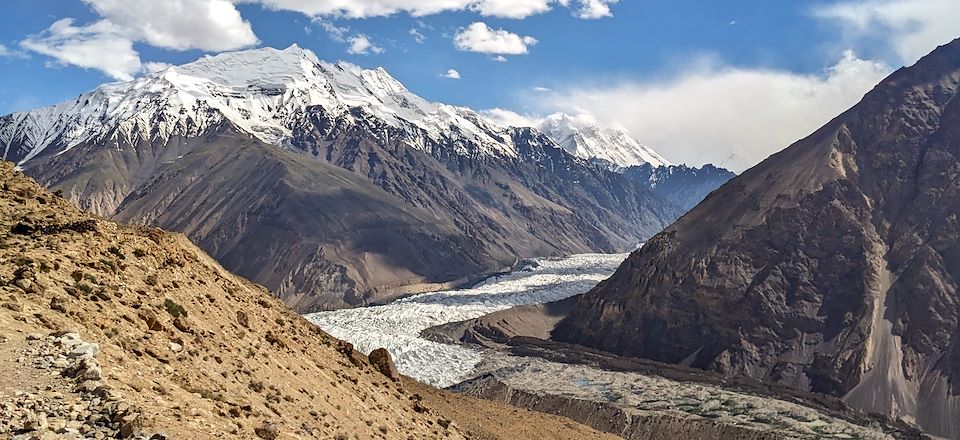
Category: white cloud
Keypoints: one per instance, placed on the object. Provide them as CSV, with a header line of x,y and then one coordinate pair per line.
x,y
357,44
101,45
720,114
336,33
912,28
210,25
417,36
153,66
509,118
6,52
493,8
107,44
499,59
593,9
452,74
478,37
541,89
361,45
511,8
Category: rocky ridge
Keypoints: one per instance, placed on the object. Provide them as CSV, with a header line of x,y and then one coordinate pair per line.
x,y
831,267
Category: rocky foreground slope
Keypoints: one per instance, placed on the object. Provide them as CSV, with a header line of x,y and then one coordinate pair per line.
x,y
832,266
112,330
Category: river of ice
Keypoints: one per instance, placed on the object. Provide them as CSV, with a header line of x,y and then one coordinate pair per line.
x,y
396,326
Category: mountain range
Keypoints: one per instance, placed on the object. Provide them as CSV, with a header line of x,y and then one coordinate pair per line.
x,y
832,266
332,185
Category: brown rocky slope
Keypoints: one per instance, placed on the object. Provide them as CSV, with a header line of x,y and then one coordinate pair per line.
x,y
107,329
832,266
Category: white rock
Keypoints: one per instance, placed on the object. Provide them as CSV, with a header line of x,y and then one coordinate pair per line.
x,y
85,350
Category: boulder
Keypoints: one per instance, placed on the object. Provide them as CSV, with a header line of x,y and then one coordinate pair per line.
x,y
268,431
183,324
84,350
381,360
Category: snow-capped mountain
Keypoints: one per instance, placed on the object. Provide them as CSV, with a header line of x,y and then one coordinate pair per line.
x,y
582,136
332,185
261,91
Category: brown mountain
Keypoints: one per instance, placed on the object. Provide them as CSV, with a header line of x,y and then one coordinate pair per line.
x,y
832,266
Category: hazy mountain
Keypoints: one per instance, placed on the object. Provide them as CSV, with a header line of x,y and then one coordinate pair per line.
x,y
683,186
329,184
832,266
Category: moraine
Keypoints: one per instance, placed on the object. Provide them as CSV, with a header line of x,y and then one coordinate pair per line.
x,y
397,325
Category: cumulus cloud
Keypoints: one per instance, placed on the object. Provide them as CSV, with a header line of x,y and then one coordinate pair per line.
x,y
210,25
452,74
499,59
478,37
107,44
912,28
361,45
586,9
594,9
724,115
511,8
102,46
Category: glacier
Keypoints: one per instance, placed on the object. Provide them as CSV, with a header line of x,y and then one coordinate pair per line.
x,y
396,326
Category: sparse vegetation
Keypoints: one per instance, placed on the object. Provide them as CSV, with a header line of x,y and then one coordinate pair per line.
x,y
110,264
85,288
116,251
174,309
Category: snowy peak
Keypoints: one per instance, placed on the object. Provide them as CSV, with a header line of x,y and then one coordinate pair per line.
x,y
582,136
261,91
258,67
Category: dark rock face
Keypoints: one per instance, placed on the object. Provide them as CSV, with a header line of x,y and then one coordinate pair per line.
x,y
681,185
832,266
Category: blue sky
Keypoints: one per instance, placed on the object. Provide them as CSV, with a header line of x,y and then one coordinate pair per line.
x,y
656,68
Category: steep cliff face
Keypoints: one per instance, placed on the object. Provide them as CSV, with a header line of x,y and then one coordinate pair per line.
x,y
832,266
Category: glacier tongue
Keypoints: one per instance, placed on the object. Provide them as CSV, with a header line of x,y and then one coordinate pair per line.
x,y
261,91
397,326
